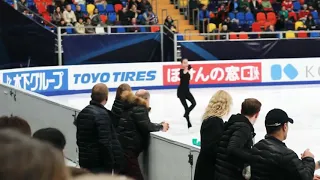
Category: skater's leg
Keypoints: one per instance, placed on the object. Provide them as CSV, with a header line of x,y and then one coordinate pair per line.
x,y
186,114
192,101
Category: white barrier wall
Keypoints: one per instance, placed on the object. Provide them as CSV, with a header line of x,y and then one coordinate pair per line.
x,y
167,159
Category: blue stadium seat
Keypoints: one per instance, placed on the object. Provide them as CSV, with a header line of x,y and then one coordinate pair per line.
x,y
83,8
112,17
124,4
315,14
143,29
110,8
249,18
314,34
296,6
47,27
231,15
101,8
73,7
241,18
121,30
180,37
69,30
140,17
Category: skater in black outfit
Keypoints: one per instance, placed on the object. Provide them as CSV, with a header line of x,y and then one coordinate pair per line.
x,y
184,91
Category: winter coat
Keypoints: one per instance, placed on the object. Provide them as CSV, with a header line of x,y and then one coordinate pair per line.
x,y
211,132
117,110
135,126
234,148
273,160
97,140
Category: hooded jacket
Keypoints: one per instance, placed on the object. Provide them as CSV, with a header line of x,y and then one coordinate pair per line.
x,y
134,126
234,148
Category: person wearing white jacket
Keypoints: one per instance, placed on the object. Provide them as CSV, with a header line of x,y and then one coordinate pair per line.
x,y
79,27
69,16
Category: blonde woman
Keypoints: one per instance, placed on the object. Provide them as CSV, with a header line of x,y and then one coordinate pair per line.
x,y
211,130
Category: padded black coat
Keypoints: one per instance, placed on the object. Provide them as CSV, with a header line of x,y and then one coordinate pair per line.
x,y
117,110
135,126
97,140
234,148
211,132
272,160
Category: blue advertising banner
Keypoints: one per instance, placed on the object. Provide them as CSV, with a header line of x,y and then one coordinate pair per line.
x,y
24,41
111,48
261,49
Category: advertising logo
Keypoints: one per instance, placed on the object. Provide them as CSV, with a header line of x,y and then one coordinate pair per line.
x,y
38,80
220,73
105,77
289,70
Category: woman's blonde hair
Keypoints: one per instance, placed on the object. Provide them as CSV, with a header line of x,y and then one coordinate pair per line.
x,y
219,105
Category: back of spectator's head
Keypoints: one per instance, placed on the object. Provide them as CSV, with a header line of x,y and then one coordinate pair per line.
x,y
76,172
15,123
251,107
276,123
123,87
102,177
25,158
52,136
100,93
219,105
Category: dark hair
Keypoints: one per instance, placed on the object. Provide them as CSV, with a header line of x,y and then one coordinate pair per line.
x,y
183,59
250,107
121,88
52,136
273,129
99,92
15,123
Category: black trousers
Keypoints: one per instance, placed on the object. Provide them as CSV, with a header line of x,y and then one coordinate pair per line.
x,y
183,99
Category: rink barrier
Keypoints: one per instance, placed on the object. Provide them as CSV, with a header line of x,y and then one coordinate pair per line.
x,y
167,158
60,80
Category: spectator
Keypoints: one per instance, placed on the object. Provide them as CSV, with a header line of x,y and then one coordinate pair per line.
x,y
134,129
266,5
79,27
288,5
224,30
255,7
272,159
244,5
99,148
15,123
79,14
134,27
269,29
124,17
133,12
131,3
63,24
57,16
101,177
95,17
118,104
284,13
144,6
69,16
236,142
88,27
79,2
61,4
211,131
203,14
22,5
233,6
100,2
310,24
150,18
169,23
25,158
302,16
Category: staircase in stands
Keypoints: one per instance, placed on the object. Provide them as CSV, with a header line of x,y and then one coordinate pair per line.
x,y
176,15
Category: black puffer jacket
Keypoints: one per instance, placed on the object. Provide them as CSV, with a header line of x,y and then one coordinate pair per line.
x,y
234,148
272,160
135,126
117,110
211,132
97,140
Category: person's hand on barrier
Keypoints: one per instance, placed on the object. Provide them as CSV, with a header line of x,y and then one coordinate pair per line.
x,y
307,153
165,126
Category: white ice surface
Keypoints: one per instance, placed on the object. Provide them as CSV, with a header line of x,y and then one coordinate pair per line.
x,y
300,102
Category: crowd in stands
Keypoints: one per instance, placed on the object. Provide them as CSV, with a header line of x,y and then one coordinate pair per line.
x,y
260,16
89,16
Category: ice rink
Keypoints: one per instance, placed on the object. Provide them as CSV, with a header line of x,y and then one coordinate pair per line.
x,y
300,102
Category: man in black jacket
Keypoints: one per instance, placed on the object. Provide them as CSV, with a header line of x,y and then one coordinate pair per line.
x,y
271,157
99,148
134,129
235,144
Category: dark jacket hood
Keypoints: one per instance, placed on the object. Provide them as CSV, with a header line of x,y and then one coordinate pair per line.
x,y
130,100
240,118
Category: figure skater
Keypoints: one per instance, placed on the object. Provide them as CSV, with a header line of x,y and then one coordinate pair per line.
x,y
184,91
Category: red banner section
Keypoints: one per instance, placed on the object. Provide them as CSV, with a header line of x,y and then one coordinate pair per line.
x,y
215,73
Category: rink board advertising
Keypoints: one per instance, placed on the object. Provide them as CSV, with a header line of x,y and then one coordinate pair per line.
x,y
59,80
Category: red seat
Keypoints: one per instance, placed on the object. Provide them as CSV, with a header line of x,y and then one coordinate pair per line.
x,y
243,35
261,18
103,18
292,14
155,28
117,7
233,36
256,27
302,34
47,18
271,17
